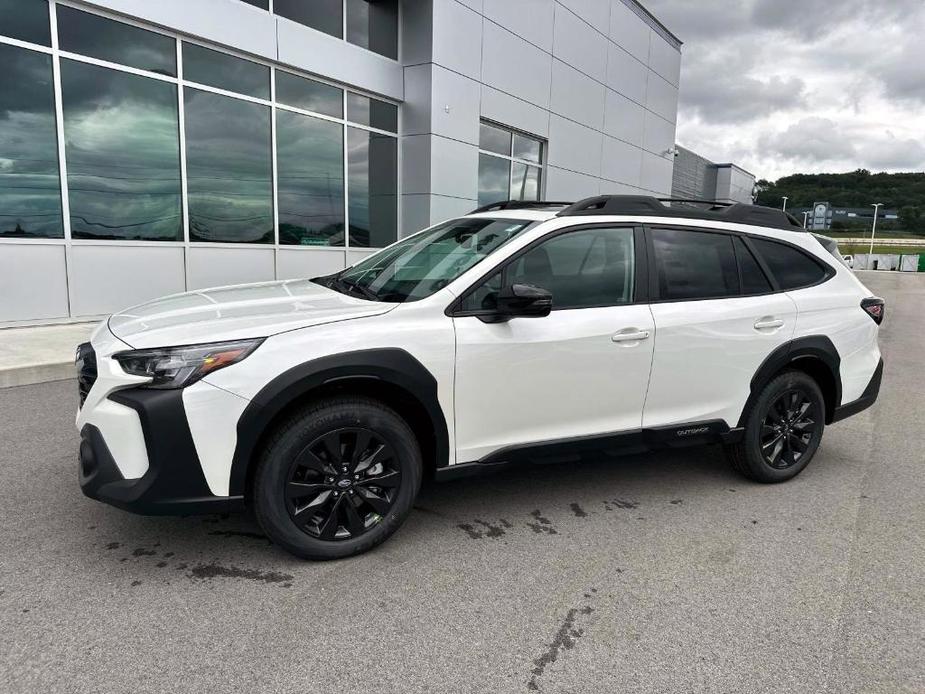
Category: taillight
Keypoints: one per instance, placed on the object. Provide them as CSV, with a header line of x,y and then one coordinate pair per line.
x,y
875,308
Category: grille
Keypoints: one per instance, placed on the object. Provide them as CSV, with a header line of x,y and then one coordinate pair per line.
x,y
86,370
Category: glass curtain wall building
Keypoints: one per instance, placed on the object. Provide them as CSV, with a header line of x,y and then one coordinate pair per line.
x,y
147,149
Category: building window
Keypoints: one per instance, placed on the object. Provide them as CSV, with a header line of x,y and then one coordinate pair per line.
x,y
372,185
229,169
223,71
510,165
25,20
30,184
310,157
115,42
309,95
139,131
121,134
374,25
323,15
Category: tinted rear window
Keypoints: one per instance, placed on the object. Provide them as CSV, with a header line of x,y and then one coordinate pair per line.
x,y
791,268
694,265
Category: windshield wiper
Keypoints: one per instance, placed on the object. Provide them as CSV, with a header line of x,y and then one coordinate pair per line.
x,y
355,288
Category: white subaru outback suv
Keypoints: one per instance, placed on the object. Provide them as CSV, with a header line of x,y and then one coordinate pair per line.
x,y
521,332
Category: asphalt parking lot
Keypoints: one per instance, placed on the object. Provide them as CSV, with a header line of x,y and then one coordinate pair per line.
x,y
655,573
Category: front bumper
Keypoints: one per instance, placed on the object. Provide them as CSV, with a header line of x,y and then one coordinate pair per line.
x,y
173,483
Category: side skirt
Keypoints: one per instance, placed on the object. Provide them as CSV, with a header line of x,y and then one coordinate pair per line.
x,y
591,447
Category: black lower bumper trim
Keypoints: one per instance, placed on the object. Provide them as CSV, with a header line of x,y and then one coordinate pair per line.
x,y
868,397
173,484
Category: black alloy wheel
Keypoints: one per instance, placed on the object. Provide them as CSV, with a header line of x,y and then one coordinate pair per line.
x,y
342,484
788,429
783,429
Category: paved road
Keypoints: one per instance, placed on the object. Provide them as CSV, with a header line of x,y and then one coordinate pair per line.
x,y
656,573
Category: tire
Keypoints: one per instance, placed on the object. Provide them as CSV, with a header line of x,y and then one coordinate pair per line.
x,y
787,419
326,459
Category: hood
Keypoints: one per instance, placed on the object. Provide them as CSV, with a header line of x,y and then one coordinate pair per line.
x,y
237,313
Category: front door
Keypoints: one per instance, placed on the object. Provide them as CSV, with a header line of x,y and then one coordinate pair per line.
x,y
581,371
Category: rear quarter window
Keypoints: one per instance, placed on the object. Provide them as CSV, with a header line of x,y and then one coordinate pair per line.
x,y
792,268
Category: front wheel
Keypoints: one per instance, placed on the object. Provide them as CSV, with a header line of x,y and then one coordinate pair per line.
x,y
782,431
337,478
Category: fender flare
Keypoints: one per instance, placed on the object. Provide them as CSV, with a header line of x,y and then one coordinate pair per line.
x,y
818,347
393,366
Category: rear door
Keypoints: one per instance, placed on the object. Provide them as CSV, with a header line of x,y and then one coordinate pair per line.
x,y
717,317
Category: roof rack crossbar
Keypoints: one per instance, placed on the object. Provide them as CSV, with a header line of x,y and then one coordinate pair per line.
x,y
644,205
520,205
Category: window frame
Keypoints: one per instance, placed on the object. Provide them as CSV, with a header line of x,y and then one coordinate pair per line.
x,y
180,82
655,293
641,270
511,159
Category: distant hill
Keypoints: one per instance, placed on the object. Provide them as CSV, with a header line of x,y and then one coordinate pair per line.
x,y
856,189
900,191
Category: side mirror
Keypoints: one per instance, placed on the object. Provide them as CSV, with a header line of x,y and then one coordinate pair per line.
x,y
523,301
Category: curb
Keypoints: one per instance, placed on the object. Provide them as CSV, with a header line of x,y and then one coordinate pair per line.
x,y
32,374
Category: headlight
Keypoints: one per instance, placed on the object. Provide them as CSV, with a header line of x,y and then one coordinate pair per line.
x,y
178,367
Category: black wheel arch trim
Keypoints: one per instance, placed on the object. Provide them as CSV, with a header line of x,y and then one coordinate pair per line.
x,y
394,366
816,347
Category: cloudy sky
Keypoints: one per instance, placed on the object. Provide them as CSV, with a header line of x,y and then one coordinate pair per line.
x,y
785,86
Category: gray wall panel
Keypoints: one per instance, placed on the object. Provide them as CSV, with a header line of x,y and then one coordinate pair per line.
x,y
624,119
579,45
456,34
621,162
628,30
594,12
110,278
626,75
303,263
574,147
531,19
216,267
662,97
517,113
576,96
33,282
569,185
514,66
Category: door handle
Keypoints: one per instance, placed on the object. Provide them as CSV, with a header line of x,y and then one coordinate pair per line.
x,y
630,335
768,323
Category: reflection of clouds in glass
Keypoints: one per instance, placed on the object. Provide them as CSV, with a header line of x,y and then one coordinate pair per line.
x,y
26,21
121,133
373,188
526,183
310,158
494,179
309,95
225,71
107,39
30,188
229,169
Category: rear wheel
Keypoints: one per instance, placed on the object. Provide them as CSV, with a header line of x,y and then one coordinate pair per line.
x,y
782,431
337,478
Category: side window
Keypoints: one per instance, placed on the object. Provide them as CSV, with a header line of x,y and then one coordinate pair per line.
x,y
694,265
791,268
754,280
582,269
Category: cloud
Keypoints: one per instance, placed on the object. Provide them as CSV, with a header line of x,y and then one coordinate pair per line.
x,y
781,86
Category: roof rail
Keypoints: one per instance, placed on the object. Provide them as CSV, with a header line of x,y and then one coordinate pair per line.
x,y
519,205
713,210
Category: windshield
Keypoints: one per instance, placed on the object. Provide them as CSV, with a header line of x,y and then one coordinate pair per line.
x,y
426,262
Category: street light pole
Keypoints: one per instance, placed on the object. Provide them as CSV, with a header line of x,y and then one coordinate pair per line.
x,y
873,232
785,203
805,217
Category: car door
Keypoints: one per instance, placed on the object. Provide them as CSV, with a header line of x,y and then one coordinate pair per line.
x,y
717,317
579,372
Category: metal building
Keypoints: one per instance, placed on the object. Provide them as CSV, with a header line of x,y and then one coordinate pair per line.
x,y
148,148
696,177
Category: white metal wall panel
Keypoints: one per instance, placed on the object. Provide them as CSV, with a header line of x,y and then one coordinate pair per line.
x,y
295,263
108,278
33,282
217,267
